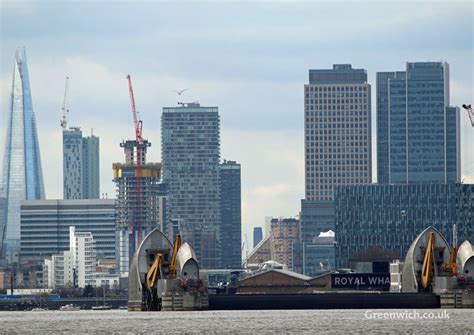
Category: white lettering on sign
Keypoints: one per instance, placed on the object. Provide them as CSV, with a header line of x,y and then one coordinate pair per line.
x,y
361,280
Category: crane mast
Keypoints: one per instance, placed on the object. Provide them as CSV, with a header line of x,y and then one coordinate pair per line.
x,y
468,108
64,109
138,142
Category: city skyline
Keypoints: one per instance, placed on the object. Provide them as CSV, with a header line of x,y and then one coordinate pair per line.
x,y
258,91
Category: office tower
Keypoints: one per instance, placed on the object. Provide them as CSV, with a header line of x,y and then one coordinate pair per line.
x,y
80,165
257,235
382,89
22,174
231,216
376,222
190,144
136,203
337,141
45,226
417,132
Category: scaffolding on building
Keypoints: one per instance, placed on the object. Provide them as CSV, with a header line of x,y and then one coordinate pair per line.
x,y
136,214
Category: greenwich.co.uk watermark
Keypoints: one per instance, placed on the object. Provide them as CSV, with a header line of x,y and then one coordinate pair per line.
x,y
406,315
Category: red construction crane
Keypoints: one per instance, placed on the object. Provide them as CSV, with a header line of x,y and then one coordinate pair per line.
x,y
470,113
139,141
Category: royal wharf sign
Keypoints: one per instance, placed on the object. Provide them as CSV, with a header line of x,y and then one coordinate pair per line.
x,y
361,281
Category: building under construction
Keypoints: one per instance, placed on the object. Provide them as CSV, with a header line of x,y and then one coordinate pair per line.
x,y
136,203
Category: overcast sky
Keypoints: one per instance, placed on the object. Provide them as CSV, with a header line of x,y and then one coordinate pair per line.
x,y
250,59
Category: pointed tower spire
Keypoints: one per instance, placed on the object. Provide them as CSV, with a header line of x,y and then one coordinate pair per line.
x,y
22,173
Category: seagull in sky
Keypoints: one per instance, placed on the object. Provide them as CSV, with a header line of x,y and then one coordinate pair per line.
x,y
180,91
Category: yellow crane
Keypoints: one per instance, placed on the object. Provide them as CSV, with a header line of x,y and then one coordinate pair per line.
x,y
176,246
155,271
427,269
451,268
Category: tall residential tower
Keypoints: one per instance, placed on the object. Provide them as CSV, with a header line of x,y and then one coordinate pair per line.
x,y
190,144
81,178
22,174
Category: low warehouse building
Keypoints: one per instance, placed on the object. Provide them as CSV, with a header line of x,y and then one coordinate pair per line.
x,y
273,281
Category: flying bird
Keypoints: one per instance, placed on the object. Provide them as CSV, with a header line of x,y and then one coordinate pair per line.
x,y
466,106
180,91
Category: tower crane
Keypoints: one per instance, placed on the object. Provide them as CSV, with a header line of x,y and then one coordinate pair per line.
x,y
64,109
468,108
137,123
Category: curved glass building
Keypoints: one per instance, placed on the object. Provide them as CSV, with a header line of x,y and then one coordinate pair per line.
x,y
22,174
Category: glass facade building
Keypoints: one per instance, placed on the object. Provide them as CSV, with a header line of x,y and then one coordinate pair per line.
x,y
22,174
45,226
418,139
385,219
190,144
257,235
231,216
81,177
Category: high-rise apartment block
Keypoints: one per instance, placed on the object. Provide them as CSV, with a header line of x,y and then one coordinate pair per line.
x,y
74,267
418,138
231,216
22,173
81,177
285,235
337,111
82,246
136,204
190,144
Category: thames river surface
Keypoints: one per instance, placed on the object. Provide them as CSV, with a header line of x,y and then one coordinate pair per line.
x,y
460,321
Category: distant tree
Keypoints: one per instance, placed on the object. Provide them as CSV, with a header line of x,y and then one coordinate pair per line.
x,y
88,291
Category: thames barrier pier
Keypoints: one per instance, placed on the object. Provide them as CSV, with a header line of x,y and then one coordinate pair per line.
x,y
165,276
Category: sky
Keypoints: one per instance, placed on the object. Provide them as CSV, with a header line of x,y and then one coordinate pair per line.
x,y
251,59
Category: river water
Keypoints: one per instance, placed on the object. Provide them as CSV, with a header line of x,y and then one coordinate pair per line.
x,y
459,321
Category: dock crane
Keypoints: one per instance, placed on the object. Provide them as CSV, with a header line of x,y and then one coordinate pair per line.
x,y
64,109
428,260
138,124
155,271
468,108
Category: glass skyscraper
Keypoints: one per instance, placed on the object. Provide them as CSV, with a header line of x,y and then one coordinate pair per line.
x,y
190,144
231,226
417,131
22,174
418,153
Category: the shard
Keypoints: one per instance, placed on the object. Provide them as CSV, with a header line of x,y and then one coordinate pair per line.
x,y
22,174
